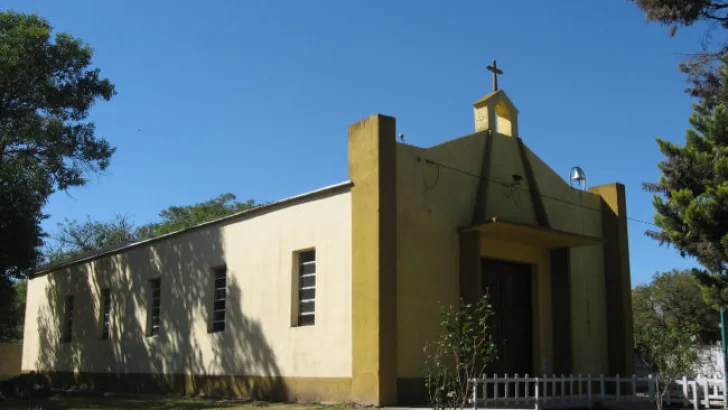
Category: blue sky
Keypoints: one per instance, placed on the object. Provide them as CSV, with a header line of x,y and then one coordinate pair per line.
x,y
255,97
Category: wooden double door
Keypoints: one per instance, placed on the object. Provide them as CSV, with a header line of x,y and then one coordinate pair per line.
x,y
509,285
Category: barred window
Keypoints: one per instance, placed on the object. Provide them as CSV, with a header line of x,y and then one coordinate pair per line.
x,y
219,296
155,323
105,313
307,288
68,319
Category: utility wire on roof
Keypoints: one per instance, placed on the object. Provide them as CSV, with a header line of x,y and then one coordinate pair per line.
x,y
509,185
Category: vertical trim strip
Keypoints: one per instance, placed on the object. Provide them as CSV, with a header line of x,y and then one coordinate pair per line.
x,y
372,167
538,208
481,197
561,309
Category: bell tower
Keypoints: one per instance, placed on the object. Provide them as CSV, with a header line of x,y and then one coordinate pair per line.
x,y
495,111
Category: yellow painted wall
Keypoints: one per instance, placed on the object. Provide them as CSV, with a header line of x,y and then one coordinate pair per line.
x,y
503,201
430,207
579,211
259,339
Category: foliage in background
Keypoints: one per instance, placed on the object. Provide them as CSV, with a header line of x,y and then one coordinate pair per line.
x,y
76,238
677,295
666,347
47,88
462,352
177,218
691,198
12,318
702,67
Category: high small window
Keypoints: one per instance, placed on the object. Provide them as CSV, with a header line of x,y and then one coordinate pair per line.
x,y
219,296
68,319
307,288
154,322
105,313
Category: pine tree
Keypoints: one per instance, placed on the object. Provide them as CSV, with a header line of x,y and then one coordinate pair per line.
x,y
691,198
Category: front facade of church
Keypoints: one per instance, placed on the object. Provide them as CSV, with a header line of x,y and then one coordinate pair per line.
x,y
331,295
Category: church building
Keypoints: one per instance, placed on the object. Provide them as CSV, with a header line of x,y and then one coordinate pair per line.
x,y
330,296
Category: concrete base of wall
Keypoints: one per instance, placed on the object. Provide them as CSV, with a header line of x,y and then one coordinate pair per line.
x,y
293,389
11,356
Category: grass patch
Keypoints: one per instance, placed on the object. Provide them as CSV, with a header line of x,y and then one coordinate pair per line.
x,y
78,402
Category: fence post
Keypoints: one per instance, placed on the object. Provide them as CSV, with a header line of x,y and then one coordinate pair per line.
x,y
506,381
526,389
571,385
536,395
686,403
485,390
650,388
588,389
696,395
706,393
518,387
495,388
580,381
563,386
475,394
634,386
601,385
619,385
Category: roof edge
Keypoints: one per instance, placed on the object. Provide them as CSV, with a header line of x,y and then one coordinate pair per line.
x,y
273,206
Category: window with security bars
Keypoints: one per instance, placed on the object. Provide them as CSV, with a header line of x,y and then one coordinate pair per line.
x,y
105,313
219,295
307,288
68,319
155,318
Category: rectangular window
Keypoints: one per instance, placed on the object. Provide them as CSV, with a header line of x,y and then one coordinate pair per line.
x,y
219,295
155,324
307,288
68,319
105,313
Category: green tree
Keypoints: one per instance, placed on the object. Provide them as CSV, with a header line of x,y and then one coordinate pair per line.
x,y
47,142
177,218
13,317
677,295
668,350
691,198
702,67
461,352
75,238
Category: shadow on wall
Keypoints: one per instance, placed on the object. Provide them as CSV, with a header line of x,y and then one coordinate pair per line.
x,y
184,358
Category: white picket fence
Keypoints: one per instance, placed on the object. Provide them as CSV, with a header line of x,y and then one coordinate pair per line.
x,y
583,391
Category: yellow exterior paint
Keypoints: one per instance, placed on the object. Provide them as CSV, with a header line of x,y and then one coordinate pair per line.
x,y
374,275
617,275
434,201
429,210
259,339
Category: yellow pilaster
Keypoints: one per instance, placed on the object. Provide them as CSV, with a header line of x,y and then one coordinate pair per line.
x,y
617,279
374,260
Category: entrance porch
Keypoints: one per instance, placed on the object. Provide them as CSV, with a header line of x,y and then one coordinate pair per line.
x,y
526,272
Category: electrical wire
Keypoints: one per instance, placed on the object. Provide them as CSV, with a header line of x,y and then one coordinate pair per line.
x,y
507,185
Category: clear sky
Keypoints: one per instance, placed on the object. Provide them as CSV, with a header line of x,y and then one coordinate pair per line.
x,y
255,97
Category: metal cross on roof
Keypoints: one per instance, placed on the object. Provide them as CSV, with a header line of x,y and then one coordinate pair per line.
x,y
495,70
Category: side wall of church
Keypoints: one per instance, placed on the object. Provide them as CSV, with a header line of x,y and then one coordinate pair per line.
x,y
262,350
